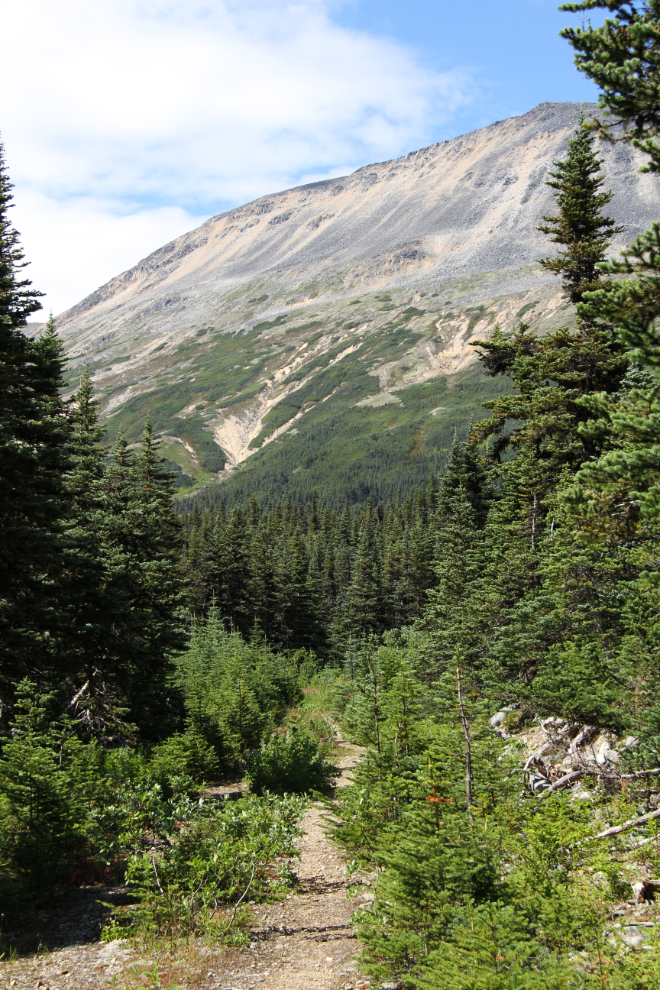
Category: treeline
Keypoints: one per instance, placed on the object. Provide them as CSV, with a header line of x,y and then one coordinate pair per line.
x,y
306,576
348,453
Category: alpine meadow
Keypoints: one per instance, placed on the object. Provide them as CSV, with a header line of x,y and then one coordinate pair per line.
x,y
330,576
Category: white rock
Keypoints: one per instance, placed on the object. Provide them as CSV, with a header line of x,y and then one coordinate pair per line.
x,y
602,750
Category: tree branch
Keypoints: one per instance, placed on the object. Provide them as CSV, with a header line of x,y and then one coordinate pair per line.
x,y
617,829
570,778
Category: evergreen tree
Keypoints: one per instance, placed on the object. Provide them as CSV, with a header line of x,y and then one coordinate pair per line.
x,y
194,566
263,580
139,547
620,56
33,452
158,590
550,377
465,471
46,781
580,226
296,607
90,609
229,571
364,611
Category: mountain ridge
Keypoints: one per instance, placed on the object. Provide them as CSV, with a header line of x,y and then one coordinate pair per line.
x,y
545,119
385,275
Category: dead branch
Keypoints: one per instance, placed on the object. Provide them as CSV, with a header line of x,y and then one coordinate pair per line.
x,y
640,774
617,829
153,863
537,755
243,895
76,696
581,737
566,781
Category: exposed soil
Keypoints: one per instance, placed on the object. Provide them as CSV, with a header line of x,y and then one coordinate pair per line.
x,y
305,942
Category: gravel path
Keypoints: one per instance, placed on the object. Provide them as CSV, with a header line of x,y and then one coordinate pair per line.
x,y
306,942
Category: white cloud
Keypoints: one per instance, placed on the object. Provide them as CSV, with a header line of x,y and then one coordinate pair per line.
x,y
75,246
139,117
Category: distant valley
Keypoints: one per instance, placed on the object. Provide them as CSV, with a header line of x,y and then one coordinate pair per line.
x,y
319,337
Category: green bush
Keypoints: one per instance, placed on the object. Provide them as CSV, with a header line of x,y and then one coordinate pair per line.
x,y
48,779
184,755
235,692
211,857
293,763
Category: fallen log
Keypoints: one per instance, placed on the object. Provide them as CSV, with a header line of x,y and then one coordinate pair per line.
x,y
617,829
566,781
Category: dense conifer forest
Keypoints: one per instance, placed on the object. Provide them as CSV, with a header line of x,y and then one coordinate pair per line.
x,y
491,640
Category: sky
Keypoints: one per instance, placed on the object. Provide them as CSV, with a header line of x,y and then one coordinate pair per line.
x,y
129,122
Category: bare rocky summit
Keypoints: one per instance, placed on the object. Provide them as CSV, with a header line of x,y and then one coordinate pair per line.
x,y
446,231
461,207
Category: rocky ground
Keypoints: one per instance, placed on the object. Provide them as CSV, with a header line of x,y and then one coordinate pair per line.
x,y
306,942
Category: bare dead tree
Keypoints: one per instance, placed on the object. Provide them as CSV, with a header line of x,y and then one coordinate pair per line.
x,y
468,749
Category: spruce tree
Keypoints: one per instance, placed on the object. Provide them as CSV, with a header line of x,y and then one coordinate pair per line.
x,y
364,602
139,549
296,603
229,572
158,591
580,227
621,57
467,472
194,566
33,454
262,580
91,610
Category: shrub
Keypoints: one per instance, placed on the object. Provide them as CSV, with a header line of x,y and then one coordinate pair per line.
x,y
184,755
293,763
234,692
47,778
213,857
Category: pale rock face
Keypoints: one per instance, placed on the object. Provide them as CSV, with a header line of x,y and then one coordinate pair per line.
x,y
603,750
450,228
463,207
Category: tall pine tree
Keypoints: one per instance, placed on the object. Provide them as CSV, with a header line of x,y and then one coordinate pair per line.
x,y
33,458
580,227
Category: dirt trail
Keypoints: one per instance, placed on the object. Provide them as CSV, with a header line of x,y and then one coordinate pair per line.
x,y
306,942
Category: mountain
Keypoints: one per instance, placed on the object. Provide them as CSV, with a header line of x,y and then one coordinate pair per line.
x,y
320,336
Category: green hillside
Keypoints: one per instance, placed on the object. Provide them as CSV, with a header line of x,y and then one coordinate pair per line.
x,y
349,453
353,395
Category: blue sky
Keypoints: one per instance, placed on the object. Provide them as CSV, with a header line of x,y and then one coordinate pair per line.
x,y
138,119
512,47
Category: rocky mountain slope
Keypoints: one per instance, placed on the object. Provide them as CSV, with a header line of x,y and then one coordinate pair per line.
x,y
330,324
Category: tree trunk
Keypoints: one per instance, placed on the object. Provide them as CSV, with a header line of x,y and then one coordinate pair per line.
x,y
468,750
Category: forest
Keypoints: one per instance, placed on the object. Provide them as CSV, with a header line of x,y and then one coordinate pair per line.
x,y
491,640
